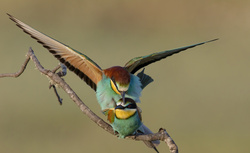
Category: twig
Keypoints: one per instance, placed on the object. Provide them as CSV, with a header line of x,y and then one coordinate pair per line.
x,y
56,68
61,73
17,74
57,95
161,135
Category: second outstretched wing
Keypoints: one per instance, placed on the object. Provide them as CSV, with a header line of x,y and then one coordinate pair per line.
x,y
139,62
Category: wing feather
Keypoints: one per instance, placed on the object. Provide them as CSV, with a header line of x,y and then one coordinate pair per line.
x,y
77,62
139,62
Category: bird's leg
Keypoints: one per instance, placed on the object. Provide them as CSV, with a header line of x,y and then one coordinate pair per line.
x,y
136,133
61,73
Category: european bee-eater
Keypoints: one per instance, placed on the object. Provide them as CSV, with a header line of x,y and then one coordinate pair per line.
x,y
110,84
126,120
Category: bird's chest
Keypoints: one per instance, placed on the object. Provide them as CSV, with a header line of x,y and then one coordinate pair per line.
x,y
106,97
126,126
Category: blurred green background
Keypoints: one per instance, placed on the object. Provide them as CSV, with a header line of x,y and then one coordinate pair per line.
x,y
201,96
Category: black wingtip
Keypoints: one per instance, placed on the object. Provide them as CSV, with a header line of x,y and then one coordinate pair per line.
x,y
204,42
212,40
10,16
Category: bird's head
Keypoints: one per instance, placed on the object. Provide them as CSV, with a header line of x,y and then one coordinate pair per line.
x,y
125,111
119,80
122,111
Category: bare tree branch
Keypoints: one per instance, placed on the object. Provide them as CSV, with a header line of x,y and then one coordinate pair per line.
x,y
56,68
55,77
161,135
17,74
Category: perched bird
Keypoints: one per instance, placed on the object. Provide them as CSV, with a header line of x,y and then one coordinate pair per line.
x,y
126,120
110,84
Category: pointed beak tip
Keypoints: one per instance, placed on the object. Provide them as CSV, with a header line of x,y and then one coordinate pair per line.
x,y
123,97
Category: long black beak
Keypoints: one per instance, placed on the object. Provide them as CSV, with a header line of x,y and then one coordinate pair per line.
x,y
123,97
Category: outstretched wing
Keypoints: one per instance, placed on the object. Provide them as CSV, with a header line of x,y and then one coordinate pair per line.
x,y
139,62
77,62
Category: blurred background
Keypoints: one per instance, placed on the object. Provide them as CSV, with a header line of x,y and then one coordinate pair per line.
x,y
201,96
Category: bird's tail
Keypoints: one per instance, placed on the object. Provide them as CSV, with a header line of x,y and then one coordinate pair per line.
x,y
144,78
151,144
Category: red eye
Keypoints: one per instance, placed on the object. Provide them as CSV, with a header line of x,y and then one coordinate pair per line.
x,y
131,106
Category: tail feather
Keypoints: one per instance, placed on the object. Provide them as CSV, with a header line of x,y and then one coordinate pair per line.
x,y
151,144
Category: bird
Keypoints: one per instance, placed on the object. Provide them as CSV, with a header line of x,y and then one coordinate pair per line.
x,y
111,84
126,119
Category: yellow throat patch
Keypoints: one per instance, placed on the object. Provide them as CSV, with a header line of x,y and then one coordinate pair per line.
x,y
124,114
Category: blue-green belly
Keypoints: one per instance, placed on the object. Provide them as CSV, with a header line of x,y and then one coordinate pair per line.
x,y
128,126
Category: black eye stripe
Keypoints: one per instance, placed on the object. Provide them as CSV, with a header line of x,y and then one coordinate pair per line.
x,y
131,106
113,79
